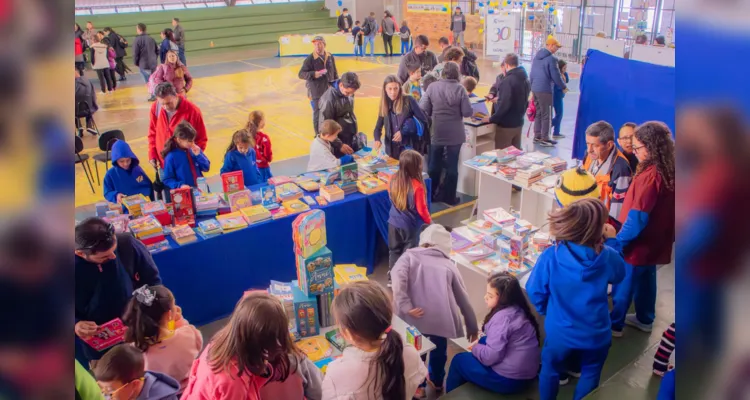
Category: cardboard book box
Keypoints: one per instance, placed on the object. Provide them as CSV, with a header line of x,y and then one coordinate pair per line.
x,y
305,312
315,273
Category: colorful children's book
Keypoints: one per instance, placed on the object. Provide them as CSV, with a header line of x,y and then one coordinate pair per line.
x,y
120,222
309,233
349,173
467,233
321,200
232,182
332,193
348,273
364,152
294,207
316,348
133,204
315,273
183,234
485,227
232,221
182,203
107,335
268,193
145,226
480,161
309,185
414,337
239,199
309,200
305,312
477,252
280,180
459,242
158,246
255,214
153,207
336,339
288,191
209,228
499,216
330,176
370,185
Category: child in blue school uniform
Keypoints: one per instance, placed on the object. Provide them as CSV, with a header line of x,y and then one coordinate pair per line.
x,y
184,161
569,286
557,101
240,156
126,177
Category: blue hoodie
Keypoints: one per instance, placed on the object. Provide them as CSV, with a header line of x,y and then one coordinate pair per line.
x,y
158,386
247,163
177,169
126,181
569,286
545,73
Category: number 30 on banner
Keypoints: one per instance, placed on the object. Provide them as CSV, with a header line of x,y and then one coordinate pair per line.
x,y
503,34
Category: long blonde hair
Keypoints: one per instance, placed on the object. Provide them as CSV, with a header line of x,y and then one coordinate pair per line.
x,y
398,104
409,167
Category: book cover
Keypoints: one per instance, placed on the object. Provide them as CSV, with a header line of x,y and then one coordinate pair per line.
x,y
294,207
279,180
282,290
348,273
120,222
477,252
288,191
336,339
330,177
468,234
349,173
459,242
315,273
309,200
210,225
239,199
316,348
232,181
158,246
499,216
153,207
309,233
309,185
182,202
321,200
305,312
107,335
485,227
268,194
180,232
231,221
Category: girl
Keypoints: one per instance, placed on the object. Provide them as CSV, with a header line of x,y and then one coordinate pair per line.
x,y
388,28
557,101
408,207
167,44
405,123
405,34
648,230
184,162
126,177
262,145
253,348
426,283
111,59
506,358
80,48
174,72
100,64
569,286
240,156
156,327
377,365
321,150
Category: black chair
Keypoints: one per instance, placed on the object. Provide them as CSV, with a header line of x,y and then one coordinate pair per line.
x,y
83,111
83,159
106,141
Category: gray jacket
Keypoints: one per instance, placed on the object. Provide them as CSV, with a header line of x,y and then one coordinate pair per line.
x,y
447,103
458,23
389,27
427,60
145,52
179,35
373,26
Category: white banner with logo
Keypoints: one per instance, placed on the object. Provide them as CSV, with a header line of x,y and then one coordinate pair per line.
x,y
500,34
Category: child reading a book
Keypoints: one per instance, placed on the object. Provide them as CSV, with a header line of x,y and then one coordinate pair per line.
x,y
470,84
576,306
506,358
240,156
408,207
263,151
122,375
184,161
377,365
252,349
126,177
156,327
429,294
321,150
412,87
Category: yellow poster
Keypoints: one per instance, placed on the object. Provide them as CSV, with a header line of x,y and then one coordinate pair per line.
x,y
430,7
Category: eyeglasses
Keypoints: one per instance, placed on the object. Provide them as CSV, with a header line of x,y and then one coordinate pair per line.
x,y
625,138
638,148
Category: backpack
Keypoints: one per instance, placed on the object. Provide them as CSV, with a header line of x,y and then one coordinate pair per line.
x,y
470,68
367,29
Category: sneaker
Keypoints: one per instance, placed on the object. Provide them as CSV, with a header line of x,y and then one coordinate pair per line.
x,y
574,374
547,143
632,320
92,131
80,133
564,381
659,373
420,393
537,140
616,333
557,136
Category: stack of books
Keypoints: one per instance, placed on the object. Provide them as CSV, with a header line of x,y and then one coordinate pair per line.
x,y
280,180
535,157
182,203
505,155
506,172
207,204
133,204
348,273
385,174
555,165
330,176
546,184
308,184
159,210
370,164
477,252
481,160
232,221
527,176
499,216
183,234
459,242
288,192
325,315
255,214
371,185
103,207
349,173
331,193
240,199
232,182
492,264
294,207
209,228
485,228
540,241
147,229
473,237
347,187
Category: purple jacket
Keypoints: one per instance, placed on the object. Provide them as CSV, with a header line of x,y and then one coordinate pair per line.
x,y
426,278
511,347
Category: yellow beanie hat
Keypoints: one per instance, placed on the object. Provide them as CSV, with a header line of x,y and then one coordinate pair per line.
x,y
575,184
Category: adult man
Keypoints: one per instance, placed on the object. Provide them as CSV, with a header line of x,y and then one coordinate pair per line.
x,y
179,38
86,106
345,21
319,70
458,26
512,100
88,36
168,111
109,266
369,30
608,165
625,140
544,74
145,52
419,55
468,61
337,103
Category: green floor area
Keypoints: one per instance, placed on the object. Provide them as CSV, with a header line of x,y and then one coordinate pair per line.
x,y
212,30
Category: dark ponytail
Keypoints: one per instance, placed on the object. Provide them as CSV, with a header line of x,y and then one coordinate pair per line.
x,y
144,313
183,130
364,309
510,294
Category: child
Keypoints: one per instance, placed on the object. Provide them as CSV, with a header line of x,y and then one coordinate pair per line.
x,y
408,207
121,375
427,81
569,286
249,351
405,34
359,51
321,150
184,162
506,358
664,352
426,284
304,384
240,156
412,87
557,101
469,83
112,64
126,177
377,365
156,327
262,145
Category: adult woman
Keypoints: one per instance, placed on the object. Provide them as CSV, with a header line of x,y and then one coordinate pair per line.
x,y
119,44
447,103
451,54
389,28
402,118
80,47
167,44
174,72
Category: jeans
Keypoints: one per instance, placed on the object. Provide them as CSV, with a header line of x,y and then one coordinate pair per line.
x,y
388,43
554,361
146,73
400,240
438,358
639,286
458,39
316,116
557,105
359,50
435,170
181,55
405,47
371,41
543,103
466,368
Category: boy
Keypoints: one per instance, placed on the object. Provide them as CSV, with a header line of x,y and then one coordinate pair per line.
x,y
469,83
412,87
126,177
359,51
427,81
121,375
321,150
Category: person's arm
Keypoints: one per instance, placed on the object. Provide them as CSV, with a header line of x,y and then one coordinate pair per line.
x,y
554,72
268,150
537,287
418,113
307,71
312,379
403,73
201,139
326,110
340,22
567,78
144,266
495,86
426,103
170,178
93,96
420,199
466,110
495,347
228,164
400,285
617,264
504,101
204,164
110,192
188,79
462,300
152,152
451,27
137,51
638,216
378,133
163,50
619,182
463,23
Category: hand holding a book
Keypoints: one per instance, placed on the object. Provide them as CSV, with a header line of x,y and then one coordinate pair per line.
x,y
120,196
86,329
416,312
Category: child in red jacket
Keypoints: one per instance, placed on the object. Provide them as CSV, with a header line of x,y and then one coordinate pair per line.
x,y
263,150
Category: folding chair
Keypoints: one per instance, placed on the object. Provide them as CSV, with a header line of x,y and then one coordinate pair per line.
x,y
82,111
106,141
83,159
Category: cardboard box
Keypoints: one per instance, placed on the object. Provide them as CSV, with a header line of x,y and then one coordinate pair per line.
x,y
305,312
315,273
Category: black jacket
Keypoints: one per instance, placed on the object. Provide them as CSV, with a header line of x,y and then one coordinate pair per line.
x,y
410,110
334,105
341,23
317,86
119,44
85,94
512,99
145,52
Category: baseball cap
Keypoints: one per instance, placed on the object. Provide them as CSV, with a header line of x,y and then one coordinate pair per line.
x,y
552,40
319,39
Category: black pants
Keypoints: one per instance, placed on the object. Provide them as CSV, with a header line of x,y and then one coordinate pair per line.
x,y
105,79
89,122
81,66
450,163
388,42
316,117
400,240
120,66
